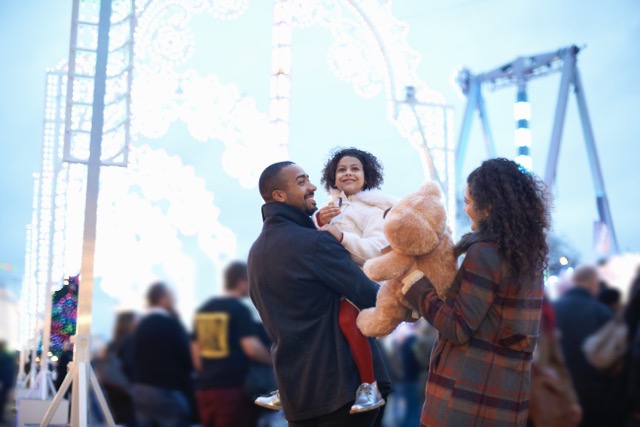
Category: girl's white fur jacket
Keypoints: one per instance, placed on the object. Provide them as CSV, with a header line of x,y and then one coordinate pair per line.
x,y
362,222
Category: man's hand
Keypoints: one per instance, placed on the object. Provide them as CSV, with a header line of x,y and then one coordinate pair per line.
x,y
333,230
327,213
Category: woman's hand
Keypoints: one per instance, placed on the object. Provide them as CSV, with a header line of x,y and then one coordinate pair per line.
x,y
333,230
326,213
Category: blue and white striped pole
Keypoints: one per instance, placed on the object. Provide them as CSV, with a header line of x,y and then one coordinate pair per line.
x,y
522,114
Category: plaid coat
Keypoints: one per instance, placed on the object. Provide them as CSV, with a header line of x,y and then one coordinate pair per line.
x,y
480,369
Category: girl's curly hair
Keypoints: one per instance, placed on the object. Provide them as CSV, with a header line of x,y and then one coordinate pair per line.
x,y
518,206
371,166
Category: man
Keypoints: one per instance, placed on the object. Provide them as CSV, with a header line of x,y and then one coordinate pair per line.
x,y
225,341
579,314
7,376
162,368
297,276
62,367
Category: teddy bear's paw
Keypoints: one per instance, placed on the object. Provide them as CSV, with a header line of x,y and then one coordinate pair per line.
x,y
388,266
375,270
372,324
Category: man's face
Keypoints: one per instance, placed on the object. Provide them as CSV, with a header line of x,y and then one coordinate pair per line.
x,y
168,301
299,191
243,288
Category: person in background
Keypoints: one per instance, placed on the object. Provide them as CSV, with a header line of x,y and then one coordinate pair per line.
x,y
632,319
162,364
7,377
411,369
579,314
224,343
62,366
115,369
554,402
611,297
480,371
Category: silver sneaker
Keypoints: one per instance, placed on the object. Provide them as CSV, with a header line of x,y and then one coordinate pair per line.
x,y
368,398
270,401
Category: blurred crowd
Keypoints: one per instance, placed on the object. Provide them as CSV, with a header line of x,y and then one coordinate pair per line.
x,y
154,373
587,360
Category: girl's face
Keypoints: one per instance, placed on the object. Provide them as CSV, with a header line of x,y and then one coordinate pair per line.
x,y
472,211
349,175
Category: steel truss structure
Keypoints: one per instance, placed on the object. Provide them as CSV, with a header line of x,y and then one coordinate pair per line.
x,y
91,128
518,73
97,117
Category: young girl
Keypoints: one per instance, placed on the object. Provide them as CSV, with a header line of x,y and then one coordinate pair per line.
x,y
355,217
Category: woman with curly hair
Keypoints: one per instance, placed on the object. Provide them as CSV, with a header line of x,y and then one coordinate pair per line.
x,y
480,368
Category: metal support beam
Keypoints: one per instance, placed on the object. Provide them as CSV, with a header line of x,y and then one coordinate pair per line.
x,y
596,173
81,373
568,69
475,101
486,129
465,129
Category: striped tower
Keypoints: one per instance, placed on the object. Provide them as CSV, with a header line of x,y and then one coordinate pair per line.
x,y
522,114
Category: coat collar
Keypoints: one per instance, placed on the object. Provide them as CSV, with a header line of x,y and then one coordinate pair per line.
x,y
467,240
158,310
577,291
373,197
281,210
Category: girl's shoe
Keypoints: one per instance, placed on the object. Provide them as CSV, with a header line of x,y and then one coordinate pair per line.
x,y
270,401
368,398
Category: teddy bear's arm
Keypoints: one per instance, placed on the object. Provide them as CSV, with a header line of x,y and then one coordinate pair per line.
x,y
388,266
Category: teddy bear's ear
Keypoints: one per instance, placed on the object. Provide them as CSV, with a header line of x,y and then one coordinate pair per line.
x,y
413,225
431,189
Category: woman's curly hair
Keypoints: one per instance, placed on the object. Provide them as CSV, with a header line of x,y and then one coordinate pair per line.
x,y
518,206
371,166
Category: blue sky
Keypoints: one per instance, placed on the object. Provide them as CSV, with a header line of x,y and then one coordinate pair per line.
x,y
479,34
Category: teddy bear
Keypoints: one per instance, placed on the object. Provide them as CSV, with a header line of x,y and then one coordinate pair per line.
x,y
419,239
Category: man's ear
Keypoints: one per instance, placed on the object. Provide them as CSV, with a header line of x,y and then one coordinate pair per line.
x,y
279,196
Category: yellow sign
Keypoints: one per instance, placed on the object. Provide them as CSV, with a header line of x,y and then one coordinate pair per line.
x,y
213,334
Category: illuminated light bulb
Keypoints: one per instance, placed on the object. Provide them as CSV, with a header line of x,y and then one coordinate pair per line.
x,y
522,111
